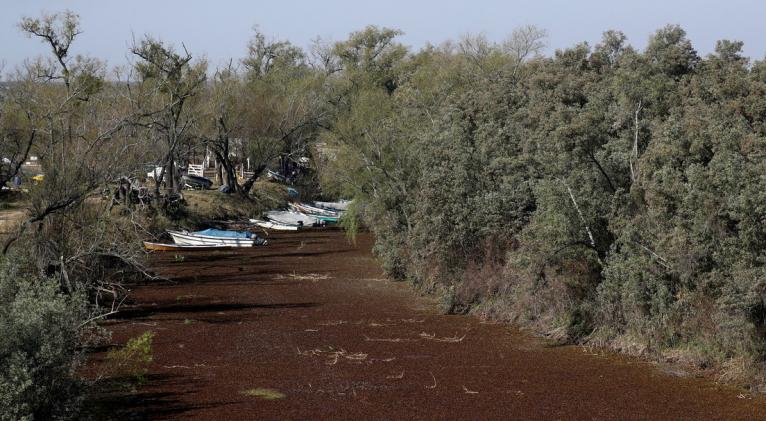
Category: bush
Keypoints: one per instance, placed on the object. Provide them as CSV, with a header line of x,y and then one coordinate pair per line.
x,y
38,346
132,360
623,189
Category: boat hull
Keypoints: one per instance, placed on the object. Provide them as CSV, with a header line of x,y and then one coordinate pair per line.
x,y
313,211
291,218
177,247
274,225
340,206
188,239
325,218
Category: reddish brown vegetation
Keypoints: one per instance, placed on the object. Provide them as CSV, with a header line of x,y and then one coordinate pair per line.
x,y
310,317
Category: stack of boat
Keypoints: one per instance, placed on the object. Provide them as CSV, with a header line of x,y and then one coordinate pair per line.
x,y
208,239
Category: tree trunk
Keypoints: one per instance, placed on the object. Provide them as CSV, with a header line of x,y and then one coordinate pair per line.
x,y
172,181
227,171
250,181
218,172
232,178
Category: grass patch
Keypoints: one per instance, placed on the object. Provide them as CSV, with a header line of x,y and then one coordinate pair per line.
x,y
264,393
211,205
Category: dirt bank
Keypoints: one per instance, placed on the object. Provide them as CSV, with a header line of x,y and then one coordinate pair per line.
x,y
308,328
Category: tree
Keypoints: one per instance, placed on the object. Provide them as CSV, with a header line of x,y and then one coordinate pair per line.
x,y
76,134
281,109
224,124
17,134
266,58
371,56
170,82
64,267
671,53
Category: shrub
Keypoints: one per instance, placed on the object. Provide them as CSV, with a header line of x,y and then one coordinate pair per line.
x,y
38,346
133,359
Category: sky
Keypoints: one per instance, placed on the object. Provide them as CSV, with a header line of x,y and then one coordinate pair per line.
x,y
219,30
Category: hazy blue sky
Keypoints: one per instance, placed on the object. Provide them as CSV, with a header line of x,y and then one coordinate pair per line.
x,y
220,29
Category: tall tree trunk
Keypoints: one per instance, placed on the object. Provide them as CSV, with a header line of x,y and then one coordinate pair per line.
x,y
171,181
232,178
227,171
218,172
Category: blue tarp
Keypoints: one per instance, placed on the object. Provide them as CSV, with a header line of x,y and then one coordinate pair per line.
x,y
211,232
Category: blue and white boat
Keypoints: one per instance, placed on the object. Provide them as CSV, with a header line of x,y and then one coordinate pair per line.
x,y
212,237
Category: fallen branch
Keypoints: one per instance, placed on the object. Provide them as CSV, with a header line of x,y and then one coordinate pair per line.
x,y
432,337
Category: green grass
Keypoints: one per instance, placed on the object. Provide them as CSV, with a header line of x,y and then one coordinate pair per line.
x,y
264,393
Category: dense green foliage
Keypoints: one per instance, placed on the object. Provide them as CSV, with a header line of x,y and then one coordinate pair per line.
x,y
602,194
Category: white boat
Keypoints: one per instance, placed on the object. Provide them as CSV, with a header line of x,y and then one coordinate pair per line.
x,y
274,225
313,210
186,238
292,218
341,205
177,247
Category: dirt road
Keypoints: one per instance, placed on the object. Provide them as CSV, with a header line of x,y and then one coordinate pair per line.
x,y
308,328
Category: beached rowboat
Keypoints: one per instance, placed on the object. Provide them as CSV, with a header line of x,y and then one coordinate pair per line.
x,y
291,218
313,211
339,206
211,237
325,218
274,225
176,247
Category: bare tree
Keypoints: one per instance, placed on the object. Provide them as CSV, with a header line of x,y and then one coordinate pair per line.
x,y
80,121
525,42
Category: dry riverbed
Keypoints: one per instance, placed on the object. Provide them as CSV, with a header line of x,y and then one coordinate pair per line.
x,y
308,328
